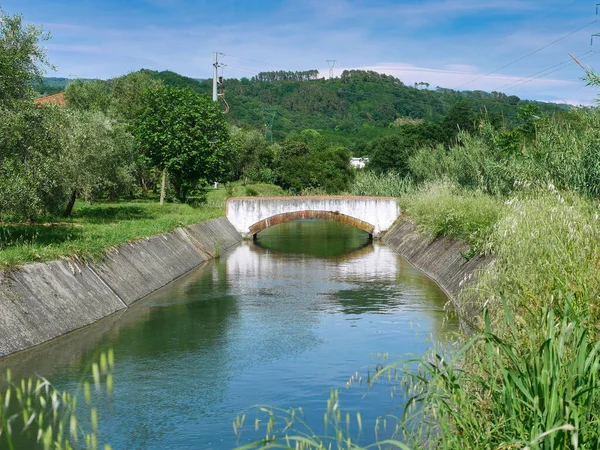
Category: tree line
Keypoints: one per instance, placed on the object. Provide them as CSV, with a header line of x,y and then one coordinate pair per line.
x,y
287,75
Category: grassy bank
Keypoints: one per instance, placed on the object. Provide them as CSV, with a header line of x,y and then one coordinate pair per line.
x,y
529,377
96,227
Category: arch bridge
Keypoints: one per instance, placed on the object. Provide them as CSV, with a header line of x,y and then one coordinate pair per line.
x,y
250,215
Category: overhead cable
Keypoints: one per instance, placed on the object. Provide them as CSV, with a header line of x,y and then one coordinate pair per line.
x,y
527,55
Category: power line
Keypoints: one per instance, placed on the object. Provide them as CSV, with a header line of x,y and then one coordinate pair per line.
x,y
527,55
242,69
542,18
564,63
255,61
555,70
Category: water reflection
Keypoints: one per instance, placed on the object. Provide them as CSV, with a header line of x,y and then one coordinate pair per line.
x,y
261,325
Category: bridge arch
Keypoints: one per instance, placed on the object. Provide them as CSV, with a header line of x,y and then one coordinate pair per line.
x,y
311,214
375,215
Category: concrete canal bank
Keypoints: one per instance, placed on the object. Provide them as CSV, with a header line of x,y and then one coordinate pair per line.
x,y
440,258
40,302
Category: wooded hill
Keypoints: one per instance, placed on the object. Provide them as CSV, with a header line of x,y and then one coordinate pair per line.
x,y
351,109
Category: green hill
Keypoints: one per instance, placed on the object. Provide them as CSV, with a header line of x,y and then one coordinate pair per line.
x,y
351,109
357,106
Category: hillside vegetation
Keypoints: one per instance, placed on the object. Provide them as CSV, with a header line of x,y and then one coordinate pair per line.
x,y
352,109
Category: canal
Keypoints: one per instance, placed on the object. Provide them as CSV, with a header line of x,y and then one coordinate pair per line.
x,y
280,321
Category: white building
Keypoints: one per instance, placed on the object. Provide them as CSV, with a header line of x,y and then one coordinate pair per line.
x,y
359,163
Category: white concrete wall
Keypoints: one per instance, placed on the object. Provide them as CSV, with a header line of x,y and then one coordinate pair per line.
x,y
381,212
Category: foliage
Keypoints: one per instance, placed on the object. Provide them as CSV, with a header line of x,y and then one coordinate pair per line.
x,y
254,157
565,152
21,58
282,75
88,95
541,394
388,184
360,105
34,414
30,178
186,135
308,160
127,95
460,117
98,156
546,244
392,151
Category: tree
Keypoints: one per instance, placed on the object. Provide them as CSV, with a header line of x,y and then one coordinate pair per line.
x,y
459,118
308,160
30,178
254,158
88,95
98,156
392,151
127,94
21,58
185,135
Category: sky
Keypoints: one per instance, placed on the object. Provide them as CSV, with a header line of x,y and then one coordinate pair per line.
x,y
520,47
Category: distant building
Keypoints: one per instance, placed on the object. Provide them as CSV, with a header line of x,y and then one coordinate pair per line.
x,y
56,99
359,163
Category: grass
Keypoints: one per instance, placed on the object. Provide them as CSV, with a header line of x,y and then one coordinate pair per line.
x,y
36,415
96,227
547,244
389,184
542,393
443,209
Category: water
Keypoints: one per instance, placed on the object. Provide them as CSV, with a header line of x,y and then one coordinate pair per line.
x,y
278,322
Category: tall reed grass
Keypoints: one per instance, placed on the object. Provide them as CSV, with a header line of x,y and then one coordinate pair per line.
x,y
546,244
564,151
539,394
36,415
389,184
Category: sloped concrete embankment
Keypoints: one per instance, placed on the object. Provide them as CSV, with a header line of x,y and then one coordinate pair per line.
x,y
440,258
40,302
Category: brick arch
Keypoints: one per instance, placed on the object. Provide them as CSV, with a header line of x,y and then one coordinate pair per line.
x,y
321,215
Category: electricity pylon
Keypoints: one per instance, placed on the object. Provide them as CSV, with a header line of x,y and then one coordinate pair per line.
x,y
331,63
268,116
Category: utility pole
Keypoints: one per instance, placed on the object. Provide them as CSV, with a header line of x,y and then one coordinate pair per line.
x,y
331,63
215,75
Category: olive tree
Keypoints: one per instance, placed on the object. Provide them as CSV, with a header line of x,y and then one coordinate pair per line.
x,y
22,58
185,135
30,179
97,158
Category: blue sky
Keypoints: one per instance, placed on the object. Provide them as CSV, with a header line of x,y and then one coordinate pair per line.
x,y
460,44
